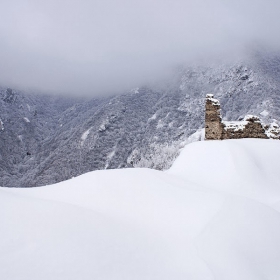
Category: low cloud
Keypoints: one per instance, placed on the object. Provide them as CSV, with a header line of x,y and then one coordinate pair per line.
x,y
97,47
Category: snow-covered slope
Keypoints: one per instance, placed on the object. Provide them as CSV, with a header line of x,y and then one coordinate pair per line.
x,y
213,215
249,167
66,137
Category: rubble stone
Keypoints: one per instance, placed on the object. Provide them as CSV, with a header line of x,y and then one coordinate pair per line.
x,y
250,127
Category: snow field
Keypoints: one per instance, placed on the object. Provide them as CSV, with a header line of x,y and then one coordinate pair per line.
x,y
213,215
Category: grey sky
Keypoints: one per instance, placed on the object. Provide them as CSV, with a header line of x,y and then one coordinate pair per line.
x,y
102,46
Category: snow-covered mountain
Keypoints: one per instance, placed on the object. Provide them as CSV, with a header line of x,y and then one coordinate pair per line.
x,y
213,215
44,139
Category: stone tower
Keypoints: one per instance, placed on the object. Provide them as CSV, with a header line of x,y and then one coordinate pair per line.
x,y
213,120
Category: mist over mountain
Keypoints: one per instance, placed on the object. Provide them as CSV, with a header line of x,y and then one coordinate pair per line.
x,y
98,48
47,139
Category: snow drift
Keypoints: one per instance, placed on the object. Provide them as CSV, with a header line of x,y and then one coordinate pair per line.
x,y
213,215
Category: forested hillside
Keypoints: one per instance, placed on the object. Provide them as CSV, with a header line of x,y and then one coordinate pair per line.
x,y
47,139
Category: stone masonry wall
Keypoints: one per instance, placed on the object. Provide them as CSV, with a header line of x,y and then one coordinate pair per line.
x,y
250,127
253,129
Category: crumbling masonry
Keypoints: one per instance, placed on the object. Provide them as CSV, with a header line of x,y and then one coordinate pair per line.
x,y
250,127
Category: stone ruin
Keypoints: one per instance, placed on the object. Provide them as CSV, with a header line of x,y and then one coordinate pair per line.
x,y
250,127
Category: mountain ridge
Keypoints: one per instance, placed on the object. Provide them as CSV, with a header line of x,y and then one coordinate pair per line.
x,y
48,139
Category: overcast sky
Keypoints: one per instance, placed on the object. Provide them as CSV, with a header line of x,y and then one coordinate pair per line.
x,y
101,46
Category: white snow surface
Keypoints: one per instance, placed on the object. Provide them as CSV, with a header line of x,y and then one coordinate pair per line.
x,y
213,215
135,90
84,136
240,125
153,117
1,125
264,113
211,98
273,131
236,125
199,135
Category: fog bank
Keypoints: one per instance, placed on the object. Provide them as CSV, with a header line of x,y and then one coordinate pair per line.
x,y
109,46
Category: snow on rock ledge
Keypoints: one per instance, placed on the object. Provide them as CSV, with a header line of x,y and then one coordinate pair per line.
x,y
211,98
273,131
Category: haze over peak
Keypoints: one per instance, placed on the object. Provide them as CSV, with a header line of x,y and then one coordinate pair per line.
x,y
98,47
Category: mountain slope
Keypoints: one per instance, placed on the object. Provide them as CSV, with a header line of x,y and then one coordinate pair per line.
x,y
142,128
